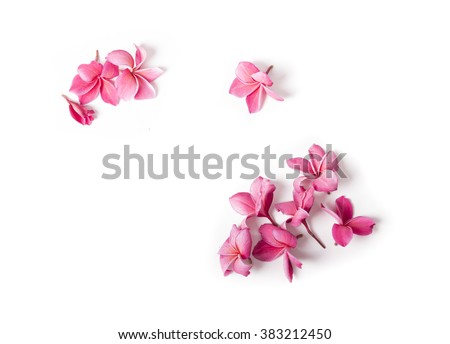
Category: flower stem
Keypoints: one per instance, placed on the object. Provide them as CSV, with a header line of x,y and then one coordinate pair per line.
x,y
97,56
269,69
310,232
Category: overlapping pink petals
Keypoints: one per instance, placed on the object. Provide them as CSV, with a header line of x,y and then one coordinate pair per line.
x,y
134,81
80,113
235,252
257,202
274,243
347,225
299,208
253,84
319,167
94,79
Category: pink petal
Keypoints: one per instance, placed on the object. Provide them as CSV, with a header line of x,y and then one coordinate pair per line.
x,y
127,85
120,58
241,268
326,182
149,74
302,165
243,203
141,55
287,208
294,260
89,72
255,100
361,225
287,266
80,87
233,235
299,217
110,71
262,191
267,234
244,243
225,263
298,183
332,213
227,249
272,94
316,153
239,89
304,198
284,237
145,90
329,162
342,235
91,95
263,78
245,70
267,253
108,92
344,208
79,116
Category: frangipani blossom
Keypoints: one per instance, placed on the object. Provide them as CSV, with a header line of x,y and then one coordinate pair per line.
x,y
235,252
277,242
257,202
320,169
134,81
299,208
347,225
94,79
80,113
253,84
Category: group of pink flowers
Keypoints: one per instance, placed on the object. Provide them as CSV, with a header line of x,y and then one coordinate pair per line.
x,y
319,169
120,77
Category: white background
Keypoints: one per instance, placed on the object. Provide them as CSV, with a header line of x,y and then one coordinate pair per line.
x,y
82,258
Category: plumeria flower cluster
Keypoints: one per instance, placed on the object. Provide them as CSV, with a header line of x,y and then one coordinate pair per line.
x,y
121,76
319,175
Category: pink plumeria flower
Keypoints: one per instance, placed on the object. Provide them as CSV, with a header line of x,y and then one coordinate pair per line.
x,y
94,79
277,242
253,84
235,252
299,208
320,169
134,81
347,225
257,202
80,113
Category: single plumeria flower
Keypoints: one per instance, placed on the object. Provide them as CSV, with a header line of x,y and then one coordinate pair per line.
x,y
320,169
94,79
277,242
80,113
134,81
235,252
257,202
299,209
253,84
347,225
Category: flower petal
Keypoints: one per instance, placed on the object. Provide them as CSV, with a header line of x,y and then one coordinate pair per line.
x,y
120,58
344,208
108,92
145,90
89,72
326,182
255,100
304,198
241,267
299,216
227,249
263,78
342,235
294,260
239,89
361,225
91,95
302,165
299,182
262,191
245,70
287,267
316,153
266,230
284,237
272,94
149,74
243,203
80,87
80,116
287,208
329,162
332,213
267,253
225,262
244,243
110,70
127,85
141,55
